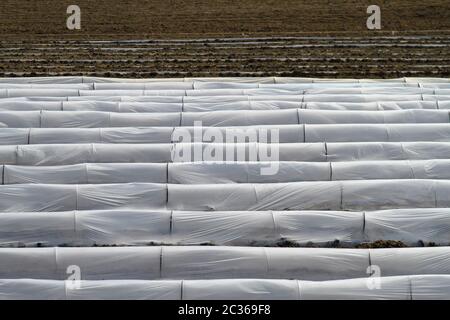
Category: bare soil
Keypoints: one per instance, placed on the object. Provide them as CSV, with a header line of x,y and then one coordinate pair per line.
x,y
225,38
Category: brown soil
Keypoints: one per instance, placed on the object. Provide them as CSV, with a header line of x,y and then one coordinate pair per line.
x,y
194,18
382,244
414,40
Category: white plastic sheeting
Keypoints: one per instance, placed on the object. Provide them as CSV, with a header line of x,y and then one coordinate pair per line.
x,y
108,167
257,133
374,90
387,151
260,133
411,261
180,262
230,197
100,135
186,152
215,262
363,98
377,132
241,289
143,227
326,264
8,154
125,289
375,106
240,105
85,119
222,228
85,86
269,80
436,97
32,289
14,136
409,225
333,195
45,197
241,118
64,154
209,89
411,169
325,195
44,92
328,133
244,172
240,134
249,228
87,173
390,288
320,227
386,194
233,94
366,94
287,134
430,287
204,106
93,119
22,119
85,228
105,106
418,287
394,116
367,102
306,116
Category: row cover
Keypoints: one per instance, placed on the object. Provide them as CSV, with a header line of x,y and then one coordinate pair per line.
x,y
328,195
186,90
253,172
87,119
66,154
260,97
233,96
349,95
377,132
147,107
240,98
304,116
254,85
100,119
275,134
330,81
324,195
374,106
435,94
416,287
241,228
195,85
224,172
219,262
198,85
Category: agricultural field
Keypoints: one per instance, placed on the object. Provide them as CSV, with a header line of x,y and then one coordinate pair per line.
x,y
224,150
225,38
